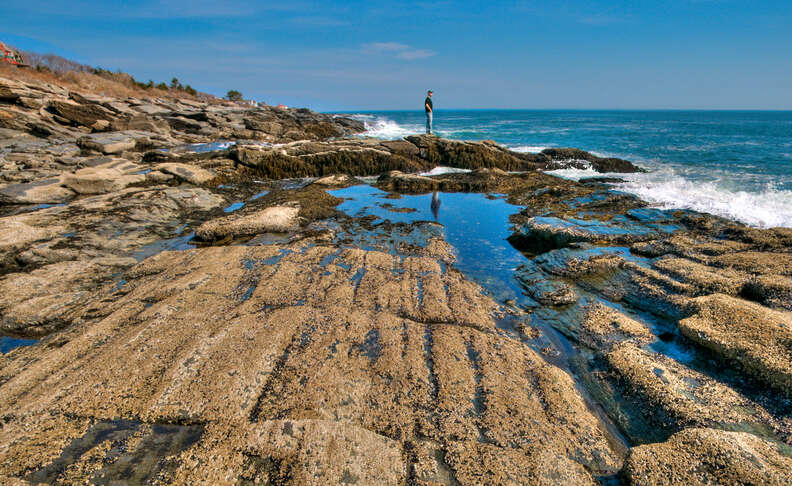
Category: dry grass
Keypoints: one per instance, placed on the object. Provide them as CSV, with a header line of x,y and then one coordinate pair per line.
x,y
117,85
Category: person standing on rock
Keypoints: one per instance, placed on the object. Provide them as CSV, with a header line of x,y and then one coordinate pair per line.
x,y
429,110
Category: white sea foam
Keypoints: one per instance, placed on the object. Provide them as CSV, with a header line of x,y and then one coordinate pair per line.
x,y
444,170
528,149
667,189
384,128
765,209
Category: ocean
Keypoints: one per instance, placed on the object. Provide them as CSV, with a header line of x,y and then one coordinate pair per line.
x,y
735,164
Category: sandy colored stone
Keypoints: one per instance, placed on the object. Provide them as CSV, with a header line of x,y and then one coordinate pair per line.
x,y
110,143
757,262
278,219
186,172
681,395
705,278
774,291
46,191
100,180
305,362
745,334
319,452
335,180
48,298
602,325
699,457
15,233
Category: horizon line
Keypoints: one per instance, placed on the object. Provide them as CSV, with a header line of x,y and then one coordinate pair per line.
x,y
771,110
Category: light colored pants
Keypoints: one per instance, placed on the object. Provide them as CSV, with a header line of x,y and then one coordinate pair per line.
x,y
428,122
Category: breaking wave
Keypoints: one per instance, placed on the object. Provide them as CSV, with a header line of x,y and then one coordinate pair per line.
x,y
668,189
386,129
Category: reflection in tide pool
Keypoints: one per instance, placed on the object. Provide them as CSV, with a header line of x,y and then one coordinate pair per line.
x,y
476,225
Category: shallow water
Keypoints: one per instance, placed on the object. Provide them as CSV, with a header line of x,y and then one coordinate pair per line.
x,y
475,225
735,164
9,343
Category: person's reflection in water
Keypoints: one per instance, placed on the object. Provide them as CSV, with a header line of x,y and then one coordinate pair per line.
x,y
435,204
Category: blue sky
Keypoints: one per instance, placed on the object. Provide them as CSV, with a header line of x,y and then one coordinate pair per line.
x,y
718,54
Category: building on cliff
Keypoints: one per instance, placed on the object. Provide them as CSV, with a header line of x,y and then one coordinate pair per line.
x,y
10,56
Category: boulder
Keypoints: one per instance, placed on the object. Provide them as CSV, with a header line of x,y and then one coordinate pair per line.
x,y
600,164
150,109
86,115
186,172
11,91
100,180
110,143
183,124
276,219
336,180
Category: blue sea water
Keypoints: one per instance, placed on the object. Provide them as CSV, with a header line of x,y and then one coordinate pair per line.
x,y
736,164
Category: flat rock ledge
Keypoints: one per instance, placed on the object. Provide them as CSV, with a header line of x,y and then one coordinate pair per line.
x,y
266,377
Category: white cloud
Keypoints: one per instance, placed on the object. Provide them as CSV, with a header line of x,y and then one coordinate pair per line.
x,y
397,49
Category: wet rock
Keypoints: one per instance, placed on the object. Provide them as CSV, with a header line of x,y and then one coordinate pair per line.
x,y
699,457
276,219
551,232
600,164
774,291
15,236
472,155
744,334
351,157
601,180
365,157
550,292
707,279
407,183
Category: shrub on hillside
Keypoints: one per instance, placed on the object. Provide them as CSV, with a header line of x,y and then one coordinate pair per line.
x,y
234,95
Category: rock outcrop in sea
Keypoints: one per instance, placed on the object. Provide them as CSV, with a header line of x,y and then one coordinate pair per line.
x,y
200,306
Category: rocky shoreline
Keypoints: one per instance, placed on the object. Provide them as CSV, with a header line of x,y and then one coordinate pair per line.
x,y
208,309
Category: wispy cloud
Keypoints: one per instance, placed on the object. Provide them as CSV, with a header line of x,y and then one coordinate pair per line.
x,y
397,50
411,54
